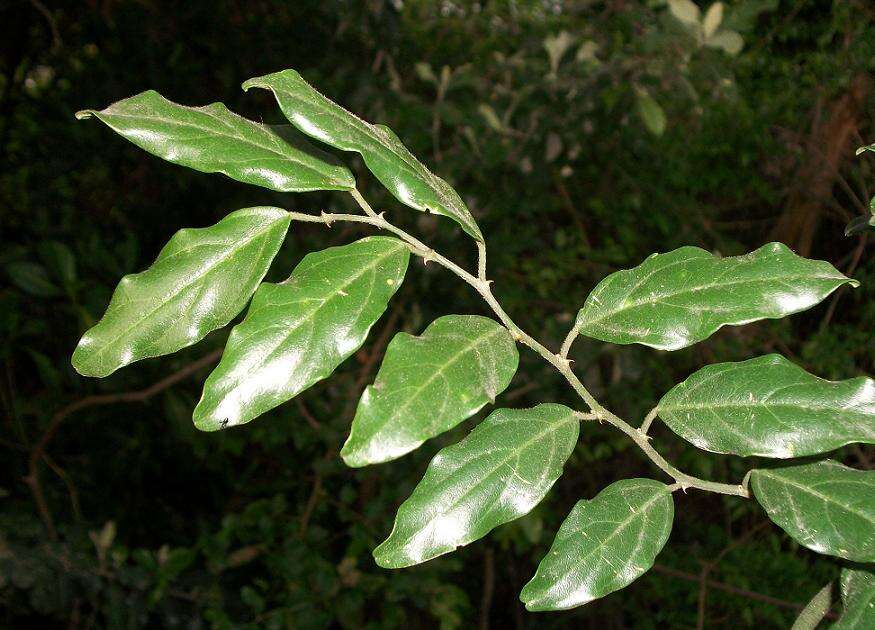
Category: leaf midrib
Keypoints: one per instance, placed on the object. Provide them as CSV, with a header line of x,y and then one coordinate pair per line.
x,y
178,289
659,297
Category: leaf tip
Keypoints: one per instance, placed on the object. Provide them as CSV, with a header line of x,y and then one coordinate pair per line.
x,y
84,114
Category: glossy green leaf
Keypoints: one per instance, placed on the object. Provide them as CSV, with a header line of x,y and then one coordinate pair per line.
x,y
858,599
429,384
770,407
298,331
383,153
213,139
200,281
503,469
815,610
604,545
676,299
824,506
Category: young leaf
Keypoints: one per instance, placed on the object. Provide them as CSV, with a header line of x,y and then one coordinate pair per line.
x,y
603,545
858,599
712,20
674,300
298,331
824,506
429,384
384,154
685,11
815,610
503,469
200,281
213,139
770,407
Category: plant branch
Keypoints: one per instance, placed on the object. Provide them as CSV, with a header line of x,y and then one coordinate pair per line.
x,y
560,362
38,452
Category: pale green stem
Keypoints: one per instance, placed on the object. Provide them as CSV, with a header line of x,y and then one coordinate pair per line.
x,y
648,420
562,364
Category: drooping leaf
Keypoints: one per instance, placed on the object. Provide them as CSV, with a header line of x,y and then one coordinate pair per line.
x,y
676,299
604,545
770,407
200,281
503,469
815,610
429,384
298,331
213,139
858,599
861,223
383,153
863,149
824,506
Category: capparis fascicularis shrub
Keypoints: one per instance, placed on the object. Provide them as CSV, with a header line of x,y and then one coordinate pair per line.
x,y
296,333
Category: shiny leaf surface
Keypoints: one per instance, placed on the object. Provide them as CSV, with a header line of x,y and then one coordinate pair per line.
x,y
214,139
676,299
603,545
858,599
429,384
200,281
298,331
815,610
770,407
824,506
383,152
498,473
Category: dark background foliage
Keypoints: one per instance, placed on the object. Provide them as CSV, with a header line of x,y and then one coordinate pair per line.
x,y
149,523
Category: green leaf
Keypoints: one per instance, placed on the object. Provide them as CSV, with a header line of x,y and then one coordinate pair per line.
x,y
384,154
728,41
503,469
674,300
770,407
685,11
712,20
31,278
824,506
652,114
199,282
604,545
858,599
298,331
213,139
815,610
429,384
863,149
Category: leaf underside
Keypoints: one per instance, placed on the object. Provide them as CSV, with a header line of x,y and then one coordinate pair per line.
x,y
604,545
298,331
858,599
673,300
213,139
200,281
824,506
815,610
498,473
428,384
769,407
382,151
